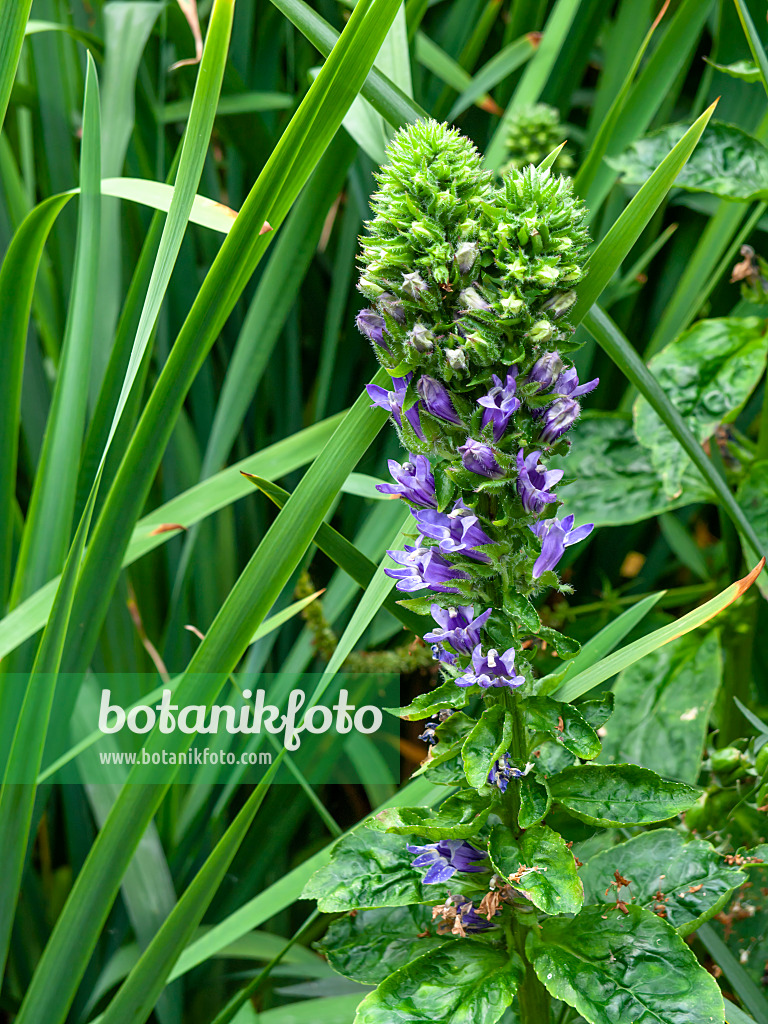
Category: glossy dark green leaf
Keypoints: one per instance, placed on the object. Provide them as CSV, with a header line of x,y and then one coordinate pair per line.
x,y
746,70
619,967
449,695
535,801
597,712
611,480
369,945
465,981
662,707
564,723
458,817
488,740
729,162
708,374
619,794
550,881
753,497
688,881
368,870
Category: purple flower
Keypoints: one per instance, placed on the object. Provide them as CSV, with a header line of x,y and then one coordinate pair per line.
x,y
559,417
413,481
457,532
500,404
371,325
479,458
458,627
440,654
392,401
503,770
430,729
437,400
545,371
556,535
424,567
460,917
568,384
445,858
534,481
491,669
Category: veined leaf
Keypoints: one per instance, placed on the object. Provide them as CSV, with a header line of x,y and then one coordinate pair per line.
x,y
619,794
540,865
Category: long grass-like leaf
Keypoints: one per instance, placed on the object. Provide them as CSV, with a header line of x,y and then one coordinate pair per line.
x,y
743,986
13,21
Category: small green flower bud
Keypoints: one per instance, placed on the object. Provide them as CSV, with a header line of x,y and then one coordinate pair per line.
x,y
541,331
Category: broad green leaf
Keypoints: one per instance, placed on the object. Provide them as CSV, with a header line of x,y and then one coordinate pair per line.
x,y
465,982
368,869
619,794
688,881
540,865
459,817
729,162
633,652
371,944
489,739
662,707
535,800
618,967
597,712
752,496
564,723
746,70
447,695
612,481
707,374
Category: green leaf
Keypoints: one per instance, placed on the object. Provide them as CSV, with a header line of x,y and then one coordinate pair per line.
x,y
745,988
597,712
662,707
620,794
488,740
459,817
755,43
371,944
13,21
444,697
502,64
612,479
535,800
746,70
564,723
707,374
752,497
617,967
550,880
463,981
370,870
729,163
450,737
692,877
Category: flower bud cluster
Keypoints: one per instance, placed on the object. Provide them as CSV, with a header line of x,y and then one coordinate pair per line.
x,y
532,134
470,284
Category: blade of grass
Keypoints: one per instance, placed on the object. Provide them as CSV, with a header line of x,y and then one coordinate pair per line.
x,y
755,44
621,659
743,986
448,70
13,21
612,341
507,60
535,76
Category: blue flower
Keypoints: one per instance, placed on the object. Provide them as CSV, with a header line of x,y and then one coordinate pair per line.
x,y
458,627
445,857
500,404
534,481
545,371
568,384
392,401
556,535
371,326
503,770
460,917
413,481
437,400
424,567
491,670
480,458
457,532
440,654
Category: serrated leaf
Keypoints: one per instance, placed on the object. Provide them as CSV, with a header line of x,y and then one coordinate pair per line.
x,y
535,801
617,967
551,882
565,646
619,794
662,707
368,870
371,944
729,162
564,723
708,374
445,697
488,740
458,817
690,881
466,982
612,481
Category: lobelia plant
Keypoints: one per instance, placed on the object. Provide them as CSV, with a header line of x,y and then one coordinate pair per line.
x,y
460,912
